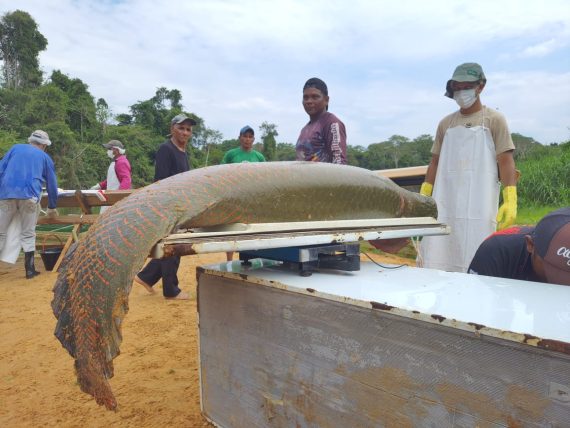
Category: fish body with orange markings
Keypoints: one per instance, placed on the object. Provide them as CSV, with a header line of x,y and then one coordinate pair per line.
x,y
95,278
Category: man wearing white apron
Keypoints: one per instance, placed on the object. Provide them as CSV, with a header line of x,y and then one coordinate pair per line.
x,y
119,172
473,149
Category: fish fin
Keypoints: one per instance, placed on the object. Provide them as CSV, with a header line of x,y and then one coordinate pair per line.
x,y
61,306
91,382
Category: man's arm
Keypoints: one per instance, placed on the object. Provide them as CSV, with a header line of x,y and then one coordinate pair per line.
x,y
337,142
508,210
427,185
51,183
507,172
432,169
4,161
123,171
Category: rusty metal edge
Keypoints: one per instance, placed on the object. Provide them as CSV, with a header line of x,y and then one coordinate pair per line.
x,y
550,345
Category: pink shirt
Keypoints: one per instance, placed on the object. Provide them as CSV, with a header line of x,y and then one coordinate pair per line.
x,y
123,171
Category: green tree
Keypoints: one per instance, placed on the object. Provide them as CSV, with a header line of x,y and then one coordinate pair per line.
x,y
80,106
65,152
103,114
20,45
124,119
268,134
355,155
523,145
46,104
285,152
206,140
12,106
394,146
156,112
7,140
378,156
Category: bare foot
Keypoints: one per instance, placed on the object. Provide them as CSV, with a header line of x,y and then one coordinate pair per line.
x,y
144,284
181,296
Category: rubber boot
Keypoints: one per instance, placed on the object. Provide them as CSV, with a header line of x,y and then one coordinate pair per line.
x,y
29,265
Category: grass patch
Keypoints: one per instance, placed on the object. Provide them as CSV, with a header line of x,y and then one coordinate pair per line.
x,y
531,215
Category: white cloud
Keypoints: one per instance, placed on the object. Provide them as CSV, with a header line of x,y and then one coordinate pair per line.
x,y
245,61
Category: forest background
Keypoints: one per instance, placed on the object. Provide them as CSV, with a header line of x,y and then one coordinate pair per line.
x,y
78,123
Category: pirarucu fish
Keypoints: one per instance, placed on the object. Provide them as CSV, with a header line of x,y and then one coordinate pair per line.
x,y
95,278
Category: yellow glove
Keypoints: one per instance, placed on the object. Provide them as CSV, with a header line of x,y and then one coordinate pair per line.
x,y
426,189
508,211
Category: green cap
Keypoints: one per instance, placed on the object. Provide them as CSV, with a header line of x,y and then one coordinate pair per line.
x,y
468,72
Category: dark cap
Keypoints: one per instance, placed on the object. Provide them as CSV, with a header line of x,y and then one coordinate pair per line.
x,y
468,72
114,143
315,82
552,243
245,129
179,118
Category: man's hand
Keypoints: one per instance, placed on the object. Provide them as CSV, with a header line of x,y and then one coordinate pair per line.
x,y
508,211
96,187
391,246
52,212
426,189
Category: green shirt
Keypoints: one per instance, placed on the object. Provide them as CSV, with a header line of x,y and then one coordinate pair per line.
x,y
238,155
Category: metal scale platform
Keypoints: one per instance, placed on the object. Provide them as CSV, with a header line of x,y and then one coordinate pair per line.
x,y
310,258
305,246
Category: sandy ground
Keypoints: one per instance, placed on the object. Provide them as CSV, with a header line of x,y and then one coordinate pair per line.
x,y
156,380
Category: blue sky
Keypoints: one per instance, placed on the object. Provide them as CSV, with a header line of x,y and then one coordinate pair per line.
x,y
385,62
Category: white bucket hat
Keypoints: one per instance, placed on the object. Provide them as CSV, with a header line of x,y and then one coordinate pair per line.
x,y
39,137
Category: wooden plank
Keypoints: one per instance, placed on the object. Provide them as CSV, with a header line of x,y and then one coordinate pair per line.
x,y
66,246
68,200
82,202
69,219
412,171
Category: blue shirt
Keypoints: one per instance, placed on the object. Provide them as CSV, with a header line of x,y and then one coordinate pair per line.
x,y
23,172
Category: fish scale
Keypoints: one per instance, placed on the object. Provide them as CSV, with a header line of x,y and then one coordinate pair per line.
x,y
95,278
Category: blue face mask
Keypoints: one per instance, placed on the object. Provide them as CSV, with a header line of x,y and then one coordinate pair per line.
x,y
110,154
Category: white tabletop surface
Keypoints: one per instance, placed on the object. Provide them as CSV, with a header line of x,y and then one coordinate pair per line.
x,y
537,309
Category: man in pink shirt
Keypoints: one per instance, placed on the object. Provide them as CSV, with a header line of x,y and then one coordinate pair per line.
x,y
119,172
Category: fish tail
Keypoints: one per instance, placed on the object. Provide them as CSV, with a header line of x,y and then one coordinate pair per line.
x,y
91,382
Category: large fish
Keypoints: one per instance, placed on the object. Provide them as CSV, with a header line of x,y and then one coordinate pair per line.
x,y
91,292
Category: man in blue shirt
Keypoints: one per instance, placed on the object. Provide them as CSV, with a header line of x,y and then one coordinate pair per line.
x,y
23,172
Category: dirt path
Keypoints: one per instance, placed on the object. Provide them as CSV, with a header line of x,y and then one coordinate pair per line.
x,y
156,376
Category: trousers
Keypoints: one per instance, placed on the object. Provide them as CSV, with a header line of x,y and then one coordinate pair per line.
x,y
167,269
29,210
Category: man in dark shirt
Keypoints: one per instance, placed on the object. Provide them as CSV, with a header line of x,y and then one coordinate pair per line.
x,y
323,139
171,158
540,253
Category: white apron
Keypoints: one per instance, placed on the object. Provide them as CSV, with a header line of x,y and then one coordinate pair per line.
x,y
112,179
466,190
112,183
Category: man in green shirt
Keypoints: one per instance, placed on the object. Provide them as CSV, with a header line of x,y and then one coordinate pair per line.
x,y
245,152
